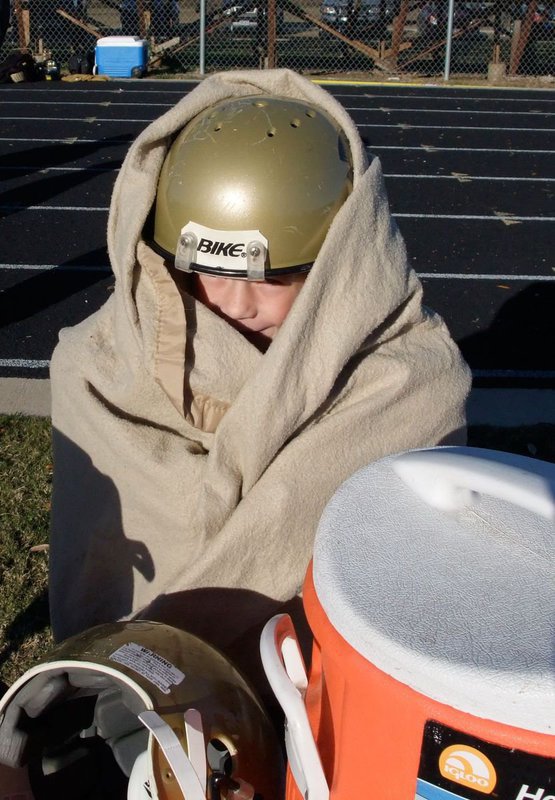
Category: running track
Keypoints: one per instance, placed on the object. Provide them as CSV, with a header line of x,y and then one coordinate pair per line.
x,y
470,175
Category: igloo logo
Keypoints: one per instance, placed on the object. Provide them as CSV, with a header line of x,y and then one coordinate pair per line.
x,y
466,766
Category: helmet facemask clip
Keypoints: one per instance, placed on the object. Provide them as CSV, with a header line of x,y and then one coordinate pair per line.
x,y
186,251
256,260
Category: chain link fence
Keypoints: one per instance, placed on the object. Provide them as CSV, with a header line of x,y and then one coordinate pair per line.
x,y
372,38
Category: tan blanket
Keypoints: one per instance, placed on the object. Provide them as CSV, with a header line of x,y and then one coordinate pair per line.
x,y
191,469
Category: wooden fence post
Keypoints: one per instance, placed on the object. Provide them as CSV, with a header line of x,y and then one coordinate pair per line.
x,y
518,51
23,24
272,24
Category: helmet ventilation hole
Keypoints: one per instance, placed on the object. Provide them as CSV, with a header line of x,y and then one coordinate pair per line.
x,y
310,113
218,127
271,132
295,123
219,757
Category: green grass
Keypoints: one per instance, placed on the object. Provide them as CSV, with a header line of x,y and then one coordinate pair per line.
x,y
25,481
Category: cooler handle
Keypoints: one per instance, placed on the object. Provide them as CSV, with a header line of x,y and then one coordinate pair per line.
x,y
286,673
454,478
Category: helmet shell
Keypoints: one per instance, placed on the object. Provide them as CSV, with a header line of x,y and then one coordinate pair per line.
x,y
271,164
138,666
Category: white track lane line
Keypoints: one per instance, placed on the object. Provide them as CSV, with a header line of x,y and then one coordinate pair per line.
x,y
512,151
461,98
462,177
373,109
103,103
67,140
18,363
89,120
398,126
39,170
476,276
471,276
127,90
366,92
500,217
432,148
466,111
15,207
60,267
409,127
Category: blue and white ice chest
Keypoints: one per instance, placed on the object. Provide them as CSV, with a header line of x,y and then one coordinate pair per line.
x,y
119,56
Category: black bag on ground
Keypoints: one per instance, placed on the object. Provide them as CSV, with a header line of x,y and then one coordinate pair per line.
x,y
17,68
81,62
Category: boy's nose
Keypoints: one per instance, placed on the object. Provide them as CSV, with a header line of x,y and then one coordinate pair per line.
x,y
238,301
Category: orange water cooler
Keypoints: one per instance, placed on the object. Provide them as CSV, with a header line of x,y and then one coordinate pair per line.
x,y
431,600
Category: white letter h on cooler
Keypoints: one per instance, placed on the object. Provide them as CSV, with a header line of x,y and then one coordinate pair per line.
x,y
524,794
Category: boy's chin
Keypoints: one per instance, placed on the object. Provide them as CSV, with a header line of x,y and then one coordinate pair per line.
x,y
261,340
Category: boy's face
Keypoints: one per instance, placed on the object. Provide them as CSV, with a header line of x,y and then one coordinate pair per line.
x,y
254,308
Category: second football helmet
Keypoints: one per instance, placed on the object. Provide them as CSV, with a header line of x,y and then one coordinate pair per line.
x,y
142,711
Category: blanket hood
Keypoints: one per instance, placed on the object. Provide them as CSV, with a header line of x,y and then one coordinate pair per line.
x,y
361,275
135,187
354,295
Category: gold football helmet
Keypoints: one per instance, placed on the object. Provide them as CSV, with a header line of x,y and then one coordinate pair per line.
x,y
137,710
250,187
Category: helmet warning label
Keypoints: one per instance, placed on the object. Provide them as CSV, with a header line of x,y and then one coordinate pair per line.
x,y
456,766
149,664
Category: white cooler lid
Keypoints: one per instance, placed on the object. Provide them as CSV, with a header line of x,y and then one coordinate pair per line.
x,y
437,566
120,41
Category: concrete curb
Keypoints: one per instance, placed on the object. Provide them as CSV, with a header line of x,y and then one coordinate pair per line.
x,y
28,396
503,408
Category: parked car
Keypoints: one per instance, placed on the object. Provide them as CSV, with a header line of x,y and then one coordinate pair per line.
x,y
359,20
432,18
247,20
245,16
543,20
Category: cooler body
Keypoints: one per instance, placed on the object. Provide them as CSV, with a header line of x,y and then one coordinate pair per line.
x,y
431,601
121,56
378,738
